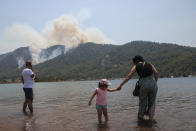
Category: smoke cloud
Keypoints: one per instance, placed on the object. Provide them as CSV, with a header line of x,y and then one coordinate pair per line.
x,y
64,30
21,62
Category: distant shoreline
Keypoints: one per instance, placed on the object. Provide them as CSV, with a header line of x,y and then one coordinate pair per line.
x,y
17,82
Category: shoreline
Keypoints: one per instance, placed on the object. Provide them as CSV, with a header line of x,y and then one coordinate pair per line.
x,y
17,82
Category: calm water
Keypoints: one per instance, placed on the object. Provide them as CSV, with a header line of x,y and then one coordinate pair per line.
x,y
63,106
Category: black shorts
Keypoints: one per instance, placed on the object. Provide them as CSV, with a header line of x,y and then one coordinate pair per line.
x,y
28,93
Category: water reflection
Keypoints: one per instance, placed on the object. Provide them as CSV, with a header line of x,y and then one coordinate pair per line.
x,y
147,125
103,127
28,121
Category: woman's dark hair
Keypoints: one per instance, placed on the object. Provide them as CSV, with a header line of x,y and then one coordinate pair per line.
x,y
137,59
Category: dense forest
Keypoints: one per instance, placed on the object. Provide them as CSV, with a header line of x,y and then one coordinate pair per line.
x,y
91,61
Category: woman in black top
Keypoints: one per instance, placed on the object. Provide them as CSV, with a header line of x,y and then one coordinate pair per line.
x,y
148,86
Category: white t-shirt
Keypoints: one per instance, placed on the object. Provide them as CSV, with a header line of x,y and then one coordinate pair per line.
x,y
28,80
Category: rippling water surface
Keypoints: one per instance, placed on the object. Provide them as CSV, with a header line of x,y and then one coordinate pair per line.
x,y
62,106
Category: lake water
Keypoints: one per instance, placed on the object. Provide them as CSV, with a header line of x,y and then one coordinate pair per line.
x,y
62,106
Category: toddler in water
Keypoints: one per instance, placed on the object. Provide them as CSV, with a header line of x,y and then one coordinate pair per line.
x,y
101,99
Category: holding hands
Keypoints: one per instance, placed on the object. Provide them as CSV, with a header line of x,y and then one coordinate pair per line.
x,y
118,88
89,103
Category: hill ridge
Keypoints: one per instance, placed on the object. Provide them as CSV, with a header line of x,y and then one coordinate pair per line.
x,y
91,61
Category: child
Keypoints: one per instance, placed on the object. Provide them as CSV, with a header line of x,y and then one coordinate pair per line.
x,y
101,98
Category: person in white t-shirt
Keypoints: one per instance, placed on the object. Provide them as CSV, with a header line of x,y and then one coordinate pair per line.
x,y
28,77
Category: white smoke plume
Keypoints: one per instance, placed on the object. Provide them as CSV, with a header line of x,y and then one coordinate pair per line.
x,y
20,33
47,55
95,35
64,30
21,62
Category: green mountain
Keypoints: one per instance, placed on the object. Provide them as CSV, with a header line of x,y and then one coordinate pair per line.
x,y
78,63
95,61
91,61
10,63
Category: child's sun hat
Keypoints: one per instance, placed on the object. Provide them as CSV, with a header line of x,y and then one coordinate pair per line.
x,y
104,82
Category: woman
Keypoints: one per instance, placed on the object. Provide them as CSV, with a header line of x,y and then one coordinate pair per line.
x,y
148,76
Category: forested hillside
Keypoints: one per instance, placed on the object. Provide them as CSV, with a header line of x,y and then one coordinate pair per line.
x,y
94,61
91,61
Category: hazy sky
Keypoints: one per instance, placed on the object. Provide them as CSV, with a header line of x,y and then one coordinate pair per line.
x,y
171,21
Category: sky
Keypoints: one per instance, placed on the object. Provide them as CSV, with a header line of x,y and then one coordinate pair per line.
x,y
119,21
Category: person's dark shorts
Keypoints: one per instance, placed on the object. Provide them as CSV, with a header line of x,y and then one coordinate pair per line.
x,y
28,93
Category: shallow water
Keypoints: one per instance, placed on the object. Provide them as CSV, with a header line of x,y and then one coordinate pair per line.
x,y
62,106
